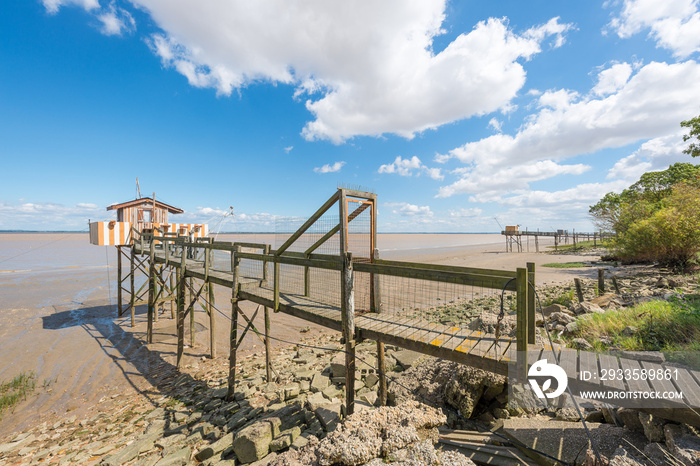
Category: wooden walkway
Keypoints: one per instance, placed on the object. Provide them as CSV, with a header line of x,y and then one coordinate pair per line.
x,y
476,348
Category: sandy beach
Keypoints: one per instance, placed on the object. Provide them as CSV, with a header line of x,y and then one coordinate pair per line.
x,y
58,315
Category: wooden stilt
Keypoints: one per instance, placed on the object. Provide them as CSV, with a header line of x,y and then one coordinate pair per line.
x,y
268,353
615,284
132,303
119,281
173,293
181,297
151,291
348,314
192,328
601,282
212,320
234,325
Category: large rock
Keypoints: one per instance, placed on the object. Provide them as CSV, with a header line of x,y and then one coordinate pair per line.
x,y
319,382
466,389
653,427
404,433
253,442
407,358
587,308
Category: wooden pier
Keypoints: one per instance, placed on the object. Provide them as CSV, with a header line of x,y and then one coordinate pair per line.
x,y
514,238
355,292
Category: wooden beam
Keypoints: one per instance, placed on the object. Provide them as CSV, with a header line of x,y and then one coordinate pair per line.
x,y
348,317
151,291
308,223
181,296
486,281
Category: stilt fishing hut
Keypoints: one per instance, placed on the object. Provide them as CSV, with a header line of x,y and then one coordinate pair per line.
x,y
135,221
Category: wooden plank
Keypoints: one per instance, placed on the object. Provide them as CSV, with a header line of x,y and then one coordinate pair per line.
x,y
588,361
610,364
632,365
662,385
687,385
568,360
448,268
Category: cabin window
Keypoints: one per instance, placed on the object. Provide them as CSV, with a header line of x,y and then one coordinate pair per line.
x,y
147,217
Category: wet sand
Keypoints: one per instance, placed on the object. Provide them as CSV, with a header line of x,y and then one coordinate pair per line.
x,y
58,316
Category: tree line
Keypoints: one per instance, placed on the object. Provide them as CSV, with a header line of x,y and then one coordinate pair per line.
x,y
658,217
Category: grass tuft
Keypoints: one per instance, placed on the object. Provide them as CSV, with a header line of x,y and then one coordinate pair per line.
x,y
668,326
566,265
16,390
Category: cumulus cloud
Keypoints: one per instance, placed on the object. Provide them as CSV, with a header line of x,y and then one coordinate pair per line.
x,y
653,155
364,68
648,105
49,216
412,210
488,179
406,167
673,24
327,168
612,79
466,212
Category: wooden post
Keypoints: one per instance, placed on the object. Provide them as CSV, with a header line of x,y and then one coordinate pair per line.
x,y
522,328
594,242
151,290
579,291
234,324
348,318
307,280
376,306
212,320
615,284
266,251
119,281
192,326
268,352
172,292
556,242
537,243
181,297
276,287
132,303
601,282
157,284
531,302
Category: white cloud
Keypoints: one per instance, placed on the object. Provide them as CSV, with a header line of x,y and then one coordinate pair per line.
x,y
406,167
653,155
365,68
52,6
496,124
674,24
613,79
650,104
466,213
288,149
116,20
411,210
487,179
49,216
327,168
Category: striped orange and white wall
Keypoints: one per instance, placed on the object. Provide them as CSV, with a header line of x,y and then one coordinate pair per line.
x,y
119,233
110,233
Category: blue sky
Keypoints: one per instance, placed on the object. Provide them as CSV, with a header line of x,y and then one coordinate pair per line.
x,y
454,113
